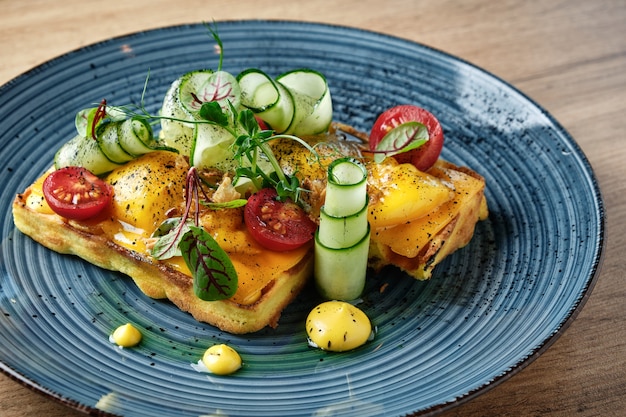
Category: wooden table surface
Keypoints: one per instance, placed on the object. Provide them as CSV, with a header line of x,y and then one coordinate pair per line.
x,y
569,56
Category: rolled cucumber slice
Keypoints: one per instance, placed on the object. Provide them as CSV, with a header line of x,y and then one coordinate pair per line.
x,y
340,273
180,125
135,137
175,132
342,231
342,239
118,139
212,147
269,100
108,139
346,189
85,152
312,101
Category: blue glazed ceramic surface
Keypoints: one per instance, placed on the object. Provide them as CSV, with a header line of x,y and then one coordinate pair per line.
x,y
489,310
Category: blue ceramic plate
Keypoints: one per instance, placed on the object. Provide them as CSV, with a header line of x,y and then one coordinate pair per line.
x,y
489,310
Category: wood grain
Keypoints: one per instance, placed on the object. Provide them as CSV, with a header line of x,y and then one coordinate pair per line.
x,y
569,56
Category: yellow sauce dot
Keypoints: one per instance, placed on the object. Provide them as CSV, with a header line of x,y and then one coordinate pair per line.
x,y
126,336
338,326
221,359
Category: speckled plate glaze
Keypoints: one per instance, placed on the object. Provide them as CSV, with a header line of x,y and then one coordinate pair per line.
x,y
489,310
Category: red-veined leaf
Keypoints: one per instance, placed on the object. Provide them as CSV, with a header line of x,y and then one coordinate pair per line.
x,y
214,276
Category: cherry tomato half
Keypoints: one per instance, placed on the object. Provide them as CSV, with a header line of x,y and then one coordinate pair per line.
x,y
423,157
75,193
277,225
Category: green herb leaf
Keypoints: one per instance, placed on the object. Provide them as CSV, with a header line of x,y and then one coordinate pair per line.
x,y
212,112
214,276
249,148
248,122
402,138
288,188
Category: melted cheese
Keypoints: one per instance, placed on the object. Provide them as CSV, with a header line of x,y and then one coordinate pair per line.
x,y
410,238
401,193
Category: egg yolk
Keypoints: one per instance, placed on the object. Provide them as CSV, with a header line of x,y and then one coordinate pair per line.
x,y
126,336
221,359
338,326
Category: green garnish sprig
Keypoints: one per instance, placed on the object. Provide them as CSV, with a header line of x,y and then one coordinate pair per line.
x,y
252,144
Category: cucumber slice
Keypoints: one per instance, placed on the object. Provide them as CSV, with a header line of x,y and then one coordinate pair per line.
x,y
135,137
340,273
84,152
109,142
85,117
183,101
81,121
269,100
338,232
176,133
312,101
342,239
212,147
346,188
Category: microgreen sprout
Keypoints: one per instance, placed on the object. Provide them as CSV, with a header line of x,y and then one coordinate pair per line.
x,y
253,145
402,138
98,116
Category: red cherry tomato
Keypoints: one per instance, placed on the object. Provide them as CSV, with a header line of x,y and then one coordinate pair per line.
x,y
277,225
423,157
75,193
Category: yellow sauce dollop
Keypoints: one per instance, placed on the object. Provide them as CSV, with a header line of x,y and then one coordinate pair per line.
x,y
126,336
221,360
338,326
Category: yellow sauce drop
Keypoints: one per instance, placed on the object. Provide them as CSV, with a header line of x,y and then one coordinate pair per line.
x,y
338,326
221,359
126,336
